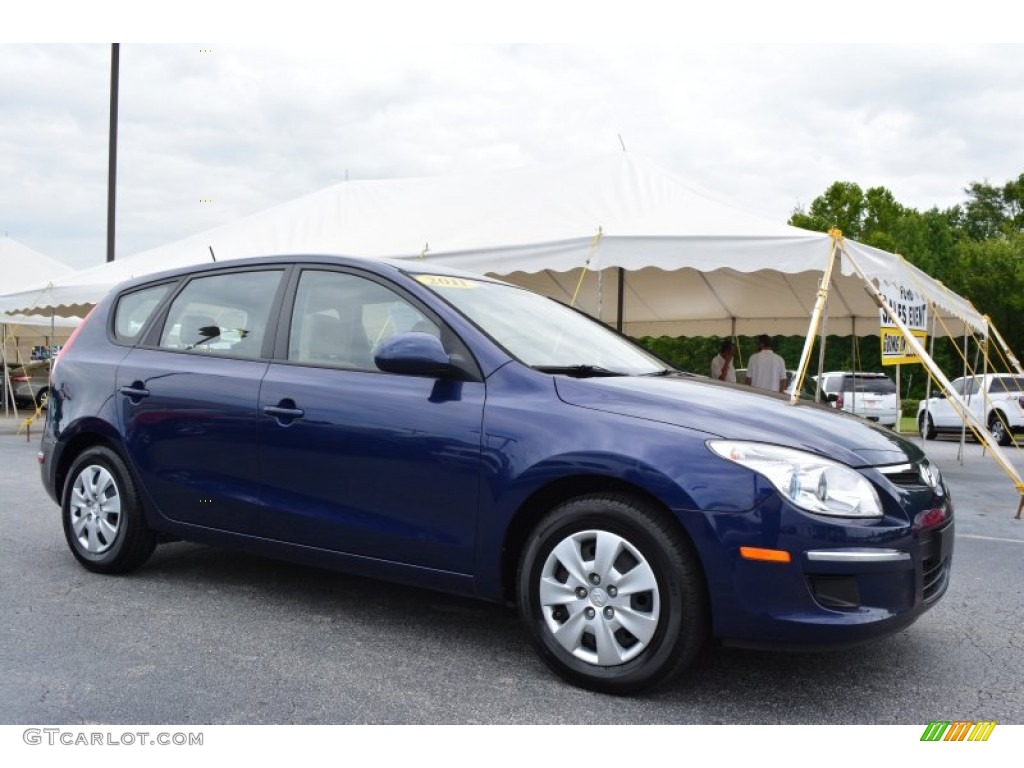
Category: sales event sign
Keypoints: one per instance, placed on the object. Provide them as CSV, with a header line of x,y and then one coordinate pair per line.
x,y
912,310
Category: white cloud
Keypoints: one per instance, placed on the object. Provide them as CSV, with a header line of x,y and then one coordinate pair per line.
x,y
765,126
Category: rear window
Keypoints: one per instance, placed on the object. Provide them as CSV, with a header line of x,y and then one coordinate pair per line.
x,y
877,385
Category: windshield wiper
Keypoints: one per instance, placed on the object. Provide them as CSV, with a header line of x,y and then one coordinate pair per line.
x,y
579,371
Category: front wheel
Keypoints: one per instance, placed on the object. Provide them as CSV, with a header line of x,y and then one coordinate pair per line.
x,y
926,426
104,522
612,594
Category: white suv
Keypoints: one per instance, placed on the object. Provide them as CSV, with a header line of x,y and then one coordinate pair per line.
x,y
871,395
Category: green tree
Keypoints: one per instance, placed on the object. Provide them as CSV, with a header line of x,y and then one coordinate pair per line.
x,y
842,206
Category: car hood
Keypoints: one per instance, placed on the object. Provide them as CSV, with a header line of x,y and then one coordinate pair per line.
x,y
740,413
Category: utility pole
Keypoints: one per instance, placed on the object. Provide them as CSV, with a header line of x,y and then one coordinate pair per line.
x,y
115,56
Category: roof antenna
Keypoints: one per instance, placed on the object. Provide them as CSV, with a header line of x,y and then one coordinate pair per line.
x,y
622,142
211,253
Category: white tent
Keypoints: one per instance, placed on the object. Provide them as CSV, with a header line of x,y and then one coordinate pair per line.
x,y
22,268
688,264
620,237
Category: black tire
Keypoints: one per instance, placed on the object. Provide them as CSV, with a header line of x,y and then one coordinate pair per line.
x,y
43,397
997,426
925,425
102,513
670,621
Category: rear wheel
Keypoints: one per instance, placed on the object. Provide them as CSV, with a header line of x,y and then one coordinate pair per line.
x,y
925,425
997,426
104,522
612,594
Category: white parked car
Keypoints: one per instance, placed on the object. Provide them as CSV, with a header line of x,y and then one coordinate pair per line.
x,y
997,399
871,395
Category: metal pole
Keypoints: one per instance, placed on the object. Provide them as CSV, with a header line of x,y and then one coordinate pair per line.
x,y
928,380
621,300
115,56
819,308
967,386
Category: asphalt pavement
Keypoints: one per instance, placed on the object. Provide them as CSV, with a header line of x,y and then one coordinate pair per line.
x,y
207,636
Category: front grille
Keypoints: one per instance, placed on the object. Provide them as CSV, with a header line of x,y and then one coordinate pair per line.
x,y
936,548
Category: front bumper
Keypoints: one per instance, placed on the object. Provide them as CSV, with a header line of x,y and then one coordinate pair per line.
x,y
846,582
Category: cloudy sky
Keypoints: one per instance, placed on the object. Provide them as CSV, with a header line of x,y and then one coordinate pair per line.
x,y
210,132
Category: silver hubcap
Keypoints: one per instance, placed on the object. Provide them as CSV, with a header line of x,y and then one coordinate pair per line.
x,y
599,598
95,509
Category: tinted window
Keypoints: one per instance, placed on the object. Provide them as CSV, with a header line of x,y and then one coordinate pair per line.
x,y
134,309
222,314
339,319
1007,384
878,385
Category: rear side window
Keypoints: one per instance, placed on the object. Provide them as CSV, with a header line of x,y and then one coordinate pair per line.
x,y
134,310
222,314
1007,384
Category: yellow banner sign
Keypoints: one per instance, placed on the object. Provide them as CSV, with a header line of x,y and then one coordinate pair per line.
x,y
895,350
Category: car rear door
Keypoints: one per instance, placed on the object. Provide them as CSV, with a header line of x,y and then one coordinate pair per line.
x,y
187,399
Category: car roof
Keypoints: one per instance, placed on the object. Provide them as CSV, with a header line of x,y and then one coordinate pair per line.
x,y
379,266
858,374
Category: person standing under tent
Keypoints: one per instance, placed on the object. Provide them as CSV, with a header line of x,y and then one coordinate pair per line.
x,y
766,369
721,364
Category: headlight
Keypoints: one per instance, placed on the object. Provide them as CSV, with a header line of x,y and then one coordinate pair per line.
x,y
930,474
810,481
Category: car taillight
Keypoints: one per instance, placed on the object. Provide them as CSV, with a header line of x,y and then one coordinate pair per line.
x,y
20,379
70,341
839,400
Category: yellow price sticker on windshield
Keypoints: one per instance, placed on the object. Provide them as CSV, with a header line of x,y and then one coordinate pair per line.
x,y
443,281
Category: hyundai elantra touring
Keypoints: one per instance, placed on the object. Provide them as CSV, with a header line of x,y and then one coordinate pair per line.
x,y
454,432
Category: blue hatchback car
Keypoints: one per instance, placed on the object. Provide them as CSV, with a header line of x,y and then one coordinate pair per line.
x,y
451,431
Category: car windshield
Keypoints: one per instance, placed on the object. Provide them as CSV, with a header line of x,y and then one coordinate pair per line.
x,y
541,332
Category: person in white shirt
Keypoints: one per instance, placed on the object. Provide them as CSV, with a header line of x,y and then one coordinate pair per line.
x,y
765,369
721,364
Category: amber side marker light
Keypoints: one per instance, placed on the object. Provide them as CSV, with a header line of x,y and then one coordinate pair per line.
x,y
767,555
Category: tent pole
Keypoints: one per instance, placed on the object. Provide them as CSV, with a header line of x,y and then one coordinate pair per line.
x,y
1006,350
899,406
819,308
928,380
3,364
821,355
963,427
621,300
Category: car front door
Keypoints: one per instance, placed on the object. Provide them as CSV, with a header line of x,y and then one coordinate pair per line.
x,y
356,460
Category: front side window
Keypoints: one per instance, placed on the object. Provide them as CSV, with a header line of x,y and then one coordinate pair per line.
x,y
223,314
339,319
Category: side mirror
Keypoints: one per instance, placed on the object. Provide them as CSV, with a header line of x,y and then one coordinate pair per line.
x,y
414,354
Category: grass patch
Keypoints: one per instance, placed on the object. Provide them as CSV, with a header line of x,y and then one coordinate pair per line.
x,y
908,425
